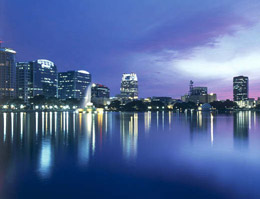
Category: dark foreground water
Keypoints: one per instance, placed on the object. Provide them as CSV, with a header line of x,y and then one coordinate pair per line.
x,y
129,155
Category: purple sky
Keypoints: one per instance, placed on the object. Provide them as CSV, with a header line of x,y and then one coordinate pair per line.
x,y
167,43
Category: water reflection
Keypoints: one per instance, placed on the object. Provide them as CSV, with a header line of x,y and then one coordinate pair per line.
x,y
4,126
147,121
199,122
45,159
43,140
87,139
129,134
12,126
242,124
212,128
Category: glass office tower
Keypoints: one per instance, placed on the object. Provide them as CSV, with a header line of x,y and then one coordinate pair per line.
x,y
240,88
73,84
129,86
36,78
7,73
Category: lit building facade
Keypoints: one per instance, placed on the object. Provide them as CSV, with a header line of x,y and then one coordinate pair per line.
x,y
36,78
73,84
199,95
7,73
240,88
100,91
129,86
23,80
199,91
100,95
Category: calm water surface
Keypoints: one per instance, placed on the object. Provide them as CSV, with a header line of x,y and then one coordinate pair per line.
x,y
129,155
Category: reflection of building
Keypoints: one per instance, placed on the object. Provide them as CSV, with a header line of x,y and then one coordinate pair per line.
x,y
129,134
199,122
129,86
240,88
241,128
36,78
100,94
199,95
7,73
73,84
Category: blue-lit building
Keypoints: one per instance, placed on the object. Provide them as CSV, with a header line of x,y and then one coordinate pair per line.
x,y
73,84
36,78
7,73
129,86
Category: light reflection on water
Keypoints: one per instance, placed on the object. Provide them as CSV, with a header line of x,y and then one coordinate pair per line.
x,y
161,143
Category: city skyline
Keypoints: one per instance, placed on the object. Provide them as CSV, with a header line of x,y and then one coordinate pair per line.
x,y
25,72
161,42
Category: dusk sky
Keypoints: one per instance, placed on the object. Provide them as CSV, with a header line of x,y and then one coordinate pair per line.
x,y
166,42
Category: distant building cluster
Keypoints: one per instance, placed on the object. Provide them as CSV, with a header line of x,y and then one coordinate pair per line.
x,y
199,95
26,80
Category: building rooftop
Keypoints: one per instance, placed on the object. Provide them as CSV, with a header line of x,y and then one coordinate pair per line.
x,y
9,50
129,77
83,71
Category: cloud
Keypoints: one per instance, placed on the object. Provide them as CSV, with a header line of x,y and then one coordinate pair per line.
x,y
162,41
211,65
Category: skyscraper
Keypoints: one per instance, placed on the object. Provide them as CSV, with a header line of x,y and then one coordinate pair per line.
x,y
240,88
7,73
23,80
73,84
36,78
129,86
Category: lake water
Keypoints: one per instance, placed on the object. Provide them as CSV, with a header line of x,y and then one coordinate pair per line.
x,y
129,155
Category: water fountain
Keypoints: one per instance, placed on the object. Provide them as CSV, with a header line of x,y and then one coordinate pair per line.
x,y
87,99
87,105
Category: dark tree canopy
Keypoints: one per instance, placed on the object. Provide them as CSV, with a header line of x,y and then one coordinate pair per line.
x,y
137,105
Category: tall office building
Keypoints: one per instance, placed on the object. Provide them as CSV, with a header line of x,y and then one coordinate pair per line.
x,y
240,88
129,86
73,84
100,91
23,80
36,78
7,73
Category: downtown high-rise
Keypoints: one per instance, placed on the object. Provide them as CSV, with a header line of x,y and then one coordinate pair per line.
x,y
73,84
7,73
100,91
240,88
36,78
129,86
